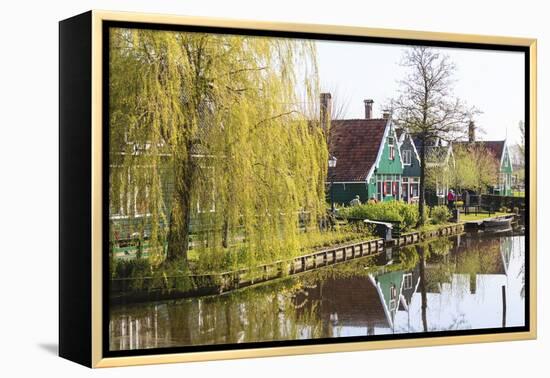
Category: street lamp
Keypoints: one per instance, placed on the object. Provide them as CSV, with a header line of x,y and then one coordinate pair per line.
x,y
332,164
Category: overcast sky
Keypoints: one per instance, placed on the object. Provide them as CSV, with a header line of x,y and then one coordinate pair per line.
x,y
492,81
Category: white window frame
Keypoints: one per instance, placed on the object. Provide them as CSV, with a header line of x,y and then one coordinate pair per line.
x,y
407,281
213,207
407,157
391,145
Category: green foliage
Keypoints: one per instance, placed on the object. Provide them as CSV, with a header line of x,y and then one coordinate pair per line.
x,y
406,215
475,168
408,257
210,129
440,214
141,275
236,257
441,246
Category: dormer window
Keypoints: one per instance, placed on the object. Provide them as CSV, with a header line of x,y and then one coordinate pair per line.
x,y
391,144
407,154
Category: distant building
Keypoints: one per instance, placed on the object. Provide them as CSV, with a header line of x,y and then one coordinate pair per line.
x,y
499,149
410,180
369,162
440,156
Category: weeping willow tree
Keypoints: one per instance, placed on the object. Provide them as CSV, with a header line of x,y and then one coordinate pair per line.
x,y
215,136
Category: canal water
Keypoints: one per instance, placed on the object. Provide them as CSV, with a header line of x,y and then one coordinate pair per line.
x,y
460,283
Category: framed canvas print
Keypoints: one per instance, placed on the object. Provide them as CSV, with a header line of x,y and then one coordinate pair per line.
x,y
235,189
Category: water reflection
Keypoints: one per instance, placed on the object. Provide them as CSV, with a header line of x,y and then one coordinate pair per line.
x,y
458,283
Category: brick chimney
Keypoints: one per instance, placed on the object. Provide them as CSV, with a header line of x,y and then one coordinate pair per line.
x,y
471,132
368,108
325,110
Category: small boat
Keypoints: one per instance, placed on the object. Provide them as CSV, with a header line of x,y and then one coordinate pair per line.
x,y
497,224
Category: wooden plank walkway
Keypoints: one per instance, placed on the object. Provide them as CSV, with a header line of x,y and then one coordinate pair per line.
x,y
245,277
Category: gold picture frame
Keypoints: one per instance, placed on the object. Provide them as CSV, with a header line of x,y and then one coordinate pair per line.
x,y
86,272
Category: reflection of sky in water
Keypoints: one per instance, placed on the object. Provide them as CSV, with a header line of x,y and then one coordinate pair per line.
x,y
463,291
456,308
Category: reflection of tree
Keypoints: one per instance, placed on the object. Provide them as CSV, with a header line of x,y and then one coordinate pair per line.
x,y
441,246
408,258
459,322
522,274
424,297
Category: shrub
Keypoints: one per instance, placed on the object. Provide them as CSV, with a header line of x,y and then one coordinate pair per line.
x,y
140,275
406,215
440,214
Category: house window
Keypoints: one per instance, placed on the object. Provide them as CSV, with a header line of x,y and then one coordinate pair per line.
x,y
207,201
132,201
414,190
407,281
407,157
387,191
391,144
393,297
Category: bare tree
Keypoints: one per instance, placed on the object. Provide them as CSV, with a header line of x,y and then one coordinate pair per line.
x,y
426,106
340,101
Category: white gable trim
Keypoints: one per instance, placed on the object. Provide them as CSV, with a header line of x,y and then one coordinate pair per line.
x,y
414,148
381,149
382,300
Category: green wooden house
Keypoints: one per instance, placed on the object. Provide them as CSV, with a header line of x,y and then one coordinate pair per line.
x,y
369,163
440,157
410,180
502,153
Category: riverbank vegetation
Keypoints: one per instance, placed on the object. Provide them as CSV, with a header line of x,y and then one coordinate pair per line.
x,y
404,214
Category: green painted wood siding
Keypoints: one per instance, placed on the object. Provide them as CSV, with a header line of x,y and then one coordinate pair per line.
x,y
386,282
412,170
506,172
387,165
344,193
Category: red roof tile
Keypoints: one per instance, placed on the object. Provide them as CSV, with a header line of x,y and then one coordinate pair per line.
x,y
355,144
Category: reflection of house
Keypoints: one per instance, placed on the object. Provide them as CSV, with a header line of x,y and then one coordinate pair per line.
x,y
410,181
500,151
411,281
368,158
347,302
391,286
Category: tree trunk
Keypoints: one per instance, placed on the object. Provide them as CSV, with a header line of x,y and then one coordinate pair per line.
x,y
423,293
180,216
225,236
422,194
